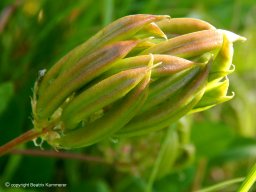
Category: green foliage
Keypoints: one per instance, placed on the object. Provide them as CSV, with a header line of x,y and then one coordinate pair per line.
x,y
6,93
211,138
34,34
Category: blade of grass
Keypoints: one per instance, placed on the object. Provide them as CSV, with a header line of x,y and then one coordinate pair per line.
x,y
107,11
51,24
156,167
221,185
249,180
12,165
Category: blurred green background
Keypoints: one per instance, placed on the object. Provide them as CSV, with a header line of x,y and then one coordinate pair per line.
x,y
220,143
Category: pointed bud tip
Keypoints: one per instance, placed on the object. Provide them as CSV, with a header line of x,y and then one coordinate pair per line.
x,y
160,17
232,37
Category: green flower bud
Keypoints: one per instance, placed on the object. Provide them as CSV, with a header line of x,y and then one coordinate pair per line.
x,y
138,74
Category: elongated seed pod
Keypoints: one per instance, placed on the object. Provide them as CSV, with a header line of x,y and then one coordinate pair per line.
x,y
165,120
100,95
171,109
157,86
151,29
180,26
80,74
189,45
142,45
111,122
164,88
121,29
170,64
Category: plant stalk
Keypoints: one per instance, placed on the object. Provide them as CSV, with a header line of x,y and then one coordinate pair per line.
x,y
25,137
59,154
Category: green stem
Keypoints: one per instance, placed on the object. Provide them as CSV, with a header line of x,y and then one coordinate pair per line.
x,y
222,185
249,180
200,173
164,144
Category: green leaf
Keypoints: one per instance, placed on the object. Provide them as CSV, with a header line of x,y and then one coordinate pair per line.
x,y
241,148
38,170
131,184
211,138
176,182
91,185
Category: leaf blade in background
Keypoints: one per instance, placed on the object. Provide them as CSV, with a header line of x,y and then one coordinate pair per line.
x,y
6,93
211,138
